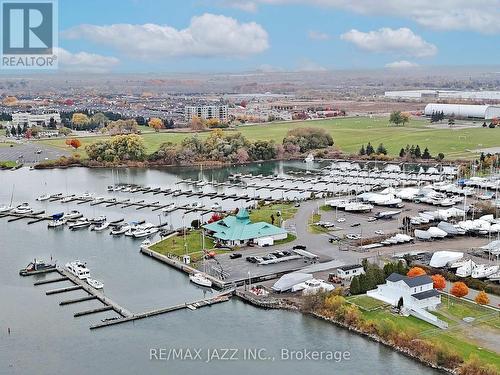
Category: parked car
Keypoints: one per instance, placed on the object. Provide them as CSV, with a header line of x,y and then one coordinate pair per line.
x,y
340,220
355,224
235,256
251,259
300,247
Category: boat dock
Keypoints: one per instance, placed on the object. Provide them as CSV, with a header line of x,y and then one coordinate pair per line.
x,y
110,305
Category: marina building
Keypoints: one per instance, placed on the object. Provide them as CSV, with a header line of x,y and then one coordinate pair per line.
x,y
442,94
239,230
206,112
347,272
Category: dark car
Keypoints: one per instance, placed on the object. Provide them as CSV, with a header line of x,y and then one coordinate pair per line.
x,y
235,255
300,247
286,252
251,259
355,224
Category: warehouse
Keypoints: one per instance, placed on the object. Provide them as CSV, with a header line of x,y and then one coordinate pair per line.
x,y
486,112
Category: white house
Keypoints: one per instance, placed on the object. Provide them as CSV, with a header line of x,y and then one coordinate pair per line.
x,y
349,271
417,292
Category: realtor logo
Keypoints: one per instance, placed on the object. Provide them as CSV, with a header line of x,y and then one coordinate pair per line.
x,y
29,34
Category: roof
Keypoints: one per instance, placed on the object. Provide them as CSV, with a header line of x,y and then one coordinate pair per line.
x,y
464,110
240,227
410,281
350,267
426,294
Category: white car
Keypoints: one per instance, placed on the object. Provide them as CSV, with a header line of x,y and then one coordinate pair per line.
x,y
379,232
340,220
353,236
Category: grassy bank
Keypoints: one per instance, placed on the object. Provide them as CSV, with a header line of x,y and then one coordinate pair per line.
x,y
264,213
7,164
349,134
192,246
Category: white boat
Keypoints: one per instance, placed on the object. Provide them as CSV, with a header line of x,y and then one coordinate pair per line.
x,y
422,235
6,208
101,227
145,232
200,279
358,207
110,188
78,269
72,215
216,207
56,223
482,271
98,219
23,208
442,258
466,269
44,197
85,196
67,199
120,230
435,232
309,158
80,223
169,208
96,284
312,286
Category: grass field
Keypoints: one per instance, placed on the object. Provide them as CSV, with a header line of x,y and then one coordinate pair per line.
x,y
457,336
264,213
349,134
366,303
7,164
175,245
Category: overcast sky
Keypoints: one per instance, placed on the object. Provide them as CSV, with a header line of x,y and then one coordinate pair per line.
x,y
275,35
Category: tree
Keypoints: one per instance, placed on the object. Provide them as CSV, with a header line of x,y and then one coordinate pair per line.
x,y
415,271
369,149
75,143
400,303
13,131
405,117
399,118
402,153
439,282
418,153
80,119
440,156
354,288
381,150
426,154
155,123
100,119
459,289
362,150
308,138
482,298
197,123
451,121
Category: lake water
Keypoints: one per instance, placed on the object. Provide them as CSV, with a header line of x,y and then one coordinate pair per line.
x,y
46,339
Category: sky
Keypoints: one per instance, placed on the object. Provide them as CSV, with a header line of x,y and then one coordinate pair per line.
x,y
154,36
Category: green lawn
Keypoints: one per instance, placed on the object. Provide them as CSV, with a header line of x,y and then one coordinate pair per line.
x,y
456,339
454,309
7,164
264,213
365,303
175,245
349,134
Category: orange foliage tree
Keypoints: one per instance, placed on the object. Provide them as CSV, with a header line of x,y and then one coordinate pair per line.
x,y
439,281
415,271
482,298
75,143
459,289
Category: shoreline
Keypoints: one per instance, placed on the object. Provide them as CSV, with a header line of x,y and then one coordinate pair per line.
x,y
280,304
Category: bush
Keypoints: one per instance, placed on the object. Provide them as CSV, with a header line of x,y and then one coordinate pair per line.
x,y
308,138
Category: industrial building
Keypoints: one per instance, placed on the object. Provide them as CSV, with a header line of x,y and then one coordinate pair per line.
x,y
34,119
206,112
484,112
442,94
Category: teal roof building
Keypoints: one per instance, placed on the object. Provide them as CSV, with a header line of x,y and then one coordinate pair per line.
x,y
239,230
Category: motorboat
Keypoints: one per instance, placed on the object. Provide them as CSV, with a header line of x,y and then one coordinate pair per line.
x,y
137,227
85,196
56,223
200,279
120,230
6,208
466,269
358,207
309,158
422,235
100,227
146,242
73,215
96,284
80,223
98,219
435,232
443,258
67,199
140,233
23,208
482,271
313,286
169,208
36,265
78,269
216,206
44,197
110,188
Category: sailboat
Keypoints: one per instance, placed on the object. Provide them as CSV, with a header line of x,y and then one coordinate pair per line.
x,y
8,208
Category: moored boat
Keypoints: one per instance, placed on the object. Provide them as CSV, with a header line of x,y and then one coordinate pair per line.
x,y
200,279
96,284
78,269
36,265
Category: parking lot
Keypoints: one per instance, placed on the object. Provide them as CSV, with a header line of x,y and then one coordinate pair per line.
x,y
27,152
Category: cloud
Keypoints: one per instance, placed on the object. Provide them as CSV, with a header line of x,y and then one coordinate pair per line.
x,y
267,68
402,41
85,62
401,64
246,6
318,35
208,35
480,15
307,65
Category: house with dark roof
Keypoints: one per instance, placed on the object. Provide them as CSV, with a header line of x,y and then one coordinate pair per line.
x,y
239,230
417,292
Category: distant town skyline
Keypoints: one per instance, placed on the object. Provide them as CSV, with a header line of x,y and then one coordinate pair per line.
x,y
141,36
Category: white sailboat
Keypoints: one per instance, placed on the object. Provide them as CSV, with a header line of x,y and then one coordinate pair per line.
x,y
200,279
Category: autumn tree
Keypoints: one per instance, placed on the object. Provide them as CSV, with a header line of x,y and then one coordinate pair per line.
x,y
459,289
415,271
439,282
197,123
75,143
482,298
80,119
155,123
